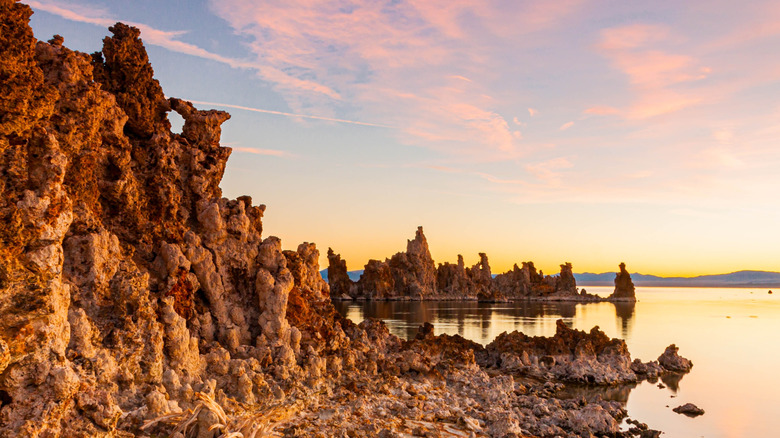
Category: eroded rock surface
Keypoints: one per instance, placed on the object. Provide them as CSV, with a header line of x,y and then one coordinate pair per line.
x,y
131,291
127,282
408,276
689,409
624,287
571,355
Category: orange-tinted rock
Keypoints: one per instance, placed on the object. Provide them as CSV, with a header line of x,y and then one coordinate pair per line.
x,y
128,284
338,278
123,272
570,355
624,287
123,69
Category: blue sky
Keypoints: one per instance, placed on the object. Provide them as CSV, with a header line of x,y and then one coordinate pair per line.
x,y
593,132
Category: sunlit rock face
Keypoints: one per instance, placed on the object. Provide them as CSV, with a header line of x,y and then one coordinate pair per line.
x,y
570,355
130,289
624,287
123,272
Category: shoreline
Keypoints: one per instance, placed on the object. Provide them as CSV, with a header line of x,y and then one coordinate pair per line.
x,y
508,300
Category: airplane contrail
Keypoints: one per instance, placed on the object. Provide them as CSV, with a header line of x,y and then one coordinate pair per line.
x,y
280,113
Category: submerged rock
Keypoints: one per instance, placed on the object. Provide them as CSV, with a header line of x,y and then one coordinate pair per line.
x,y
570,356
689,409
671,361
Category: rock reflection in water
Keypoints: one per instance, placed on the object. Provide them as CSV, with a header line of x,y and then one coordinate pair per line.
x,y
617,393
625,313
480,322
672,381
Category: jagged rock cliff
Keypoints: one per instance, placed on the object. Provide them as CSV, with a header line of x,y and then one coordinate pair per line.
x,y
136,301
126,281
624,287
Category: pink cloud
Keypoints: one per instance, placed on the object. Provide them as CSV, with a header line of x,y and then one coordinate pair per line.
x,y
169,40
602,111
532,112
653,72
661,102
566,126
388,60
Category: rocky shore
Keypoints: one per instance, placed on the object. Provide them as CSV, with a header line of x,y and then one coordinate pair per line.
x,y
412,275
137,301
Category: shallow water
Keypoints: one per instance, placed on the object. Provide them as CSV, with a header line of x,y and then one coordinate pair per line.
x,y
731,335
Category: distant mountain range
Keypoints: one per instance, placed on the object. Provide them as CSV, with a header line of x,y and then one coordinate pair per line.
x,y
762,279
353,275
734,279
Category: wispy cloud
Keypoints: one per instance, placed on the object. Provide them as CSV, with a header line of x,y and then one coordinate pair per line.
x,y
281,113
418,65
171,40
566,126
654,73
532,112
267,152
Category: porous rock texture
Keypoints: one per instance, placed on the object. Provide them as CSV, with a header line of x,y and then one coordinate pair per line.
x,y
131,291
624,287
126,281
571,356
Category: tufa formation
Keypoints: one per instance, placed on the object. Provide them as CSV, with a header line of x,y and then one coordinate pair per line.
x,y
407,276
624,287
137,301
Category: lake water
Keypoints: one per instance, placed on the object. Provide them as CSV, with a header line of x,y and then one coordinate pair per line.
x,y
731,335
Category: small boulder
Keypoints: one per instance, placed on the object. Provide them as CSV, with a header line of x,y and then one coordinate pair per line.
x,y
671,361
689,409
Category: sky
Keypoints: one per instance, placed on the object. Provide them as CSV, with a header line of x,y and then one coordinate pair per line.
x,y
591,132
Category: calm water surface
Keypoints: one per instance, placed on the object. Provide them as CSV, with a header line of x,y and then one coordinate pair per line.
x,y
731,335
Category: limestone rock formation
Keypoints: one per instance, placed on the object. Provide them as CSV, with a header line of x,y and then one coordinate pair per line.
x,y
134,297
410,275
459,282
571,356
378,281
482,279
127,282
413,271
624,287
527,283
406,275
689,409
451,279
338,278
670,360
